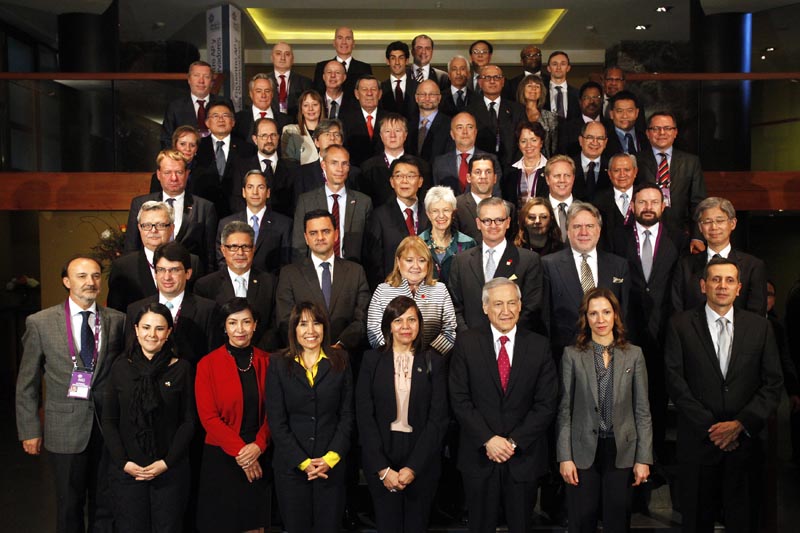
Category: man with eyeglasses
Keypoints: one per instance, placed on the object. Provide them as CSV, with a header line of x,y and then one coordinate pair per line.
x,y
195,218
562,98
531,59
190,110
591,165
422,70
240,279
132,276
272,230
590,98
351,209
399,89
716,218
262,105
482,179
623,134
429,126
678,173
480,54
496,117
495,257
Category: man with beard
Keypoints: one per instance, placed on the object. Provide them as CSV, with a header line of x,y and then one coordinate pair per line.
x,y
590,99
482,178
538,230
429,134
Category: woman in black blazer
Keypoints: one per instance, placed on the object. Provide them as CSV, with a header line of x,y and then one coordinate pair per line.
x,y
310,411
402,418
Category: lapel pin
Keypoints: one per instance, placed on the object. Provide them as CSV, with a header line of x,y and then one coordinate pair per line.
x,y
168,383
627,370
419,369
254,281
508,263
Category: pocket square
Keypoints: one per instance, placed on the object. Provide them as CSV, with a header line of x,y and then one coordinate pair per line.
x,y
513,277
618,280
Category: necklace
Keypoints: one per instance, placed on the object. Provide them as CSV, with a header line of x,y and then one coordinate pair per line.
x,y
249,365
439,246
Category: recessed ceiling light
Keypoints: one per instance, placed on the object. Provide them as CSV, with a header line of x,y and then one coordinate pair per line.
x,y
663,9
641,27
770,49
763,57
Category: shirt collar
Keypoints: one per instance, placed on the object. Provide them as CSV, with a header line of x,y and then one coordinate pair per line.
x,y
178,198
496,334
667,151
724,252
488,101
176,302
234,275
585,161
654,229
317,261
74,308
712,316
403,206
260,214
554,202
500,249
342,192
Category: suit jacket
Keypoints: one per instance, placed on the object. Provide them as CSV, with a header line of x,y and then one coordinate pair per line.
x,y
198,329
752,275
296,85
579,408
388,102
376,409
438,75
356,70
523,413
614,146
298,145
306,421
445,170
67,421
466,282
467,212
209,184
437,140
273,245
573,104
386,228
218,287
687,188
509,186
243,129
309,177
581,189
130,279
563,293
356,213
356,135
350,298
180,112
374,179
569,132
281,198
613,220
197,228
508,116
449,105
749,392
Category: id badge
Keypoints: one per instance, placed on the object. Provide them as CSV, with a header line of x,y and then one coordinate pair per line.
x,y
667,200
80,385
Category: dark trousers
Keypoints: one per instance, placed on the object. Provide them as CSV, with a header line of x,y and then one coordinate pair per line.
x,y
150,506
311,506
78,475
486,495
601,486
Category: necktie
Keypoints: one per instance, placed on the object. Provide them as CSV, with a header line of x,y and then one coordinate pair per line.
x,y
493,120
423,131
647,255
266,167
631,145
87,341
220,156
490,267
624,203
337,244
169,305
590,177
326,283
334,109
254,219
463,171
723,344
370,131
410,221
263,114
344,64
560,103
241,289
562,220
282,94
201,115
398,95
503,364
460,103
663,178
587,281
420,75
171,202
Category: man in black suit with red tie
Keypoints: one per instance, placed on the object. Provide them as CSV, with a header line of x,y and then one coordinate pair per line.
x,y
262,91
724,377
288,85
399,90
343,43
272,230
191,110
361,137
503,391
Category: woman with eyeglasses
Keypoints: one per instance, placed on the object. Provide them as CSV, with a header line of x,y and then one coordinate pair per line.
x,y
532,93
297,140
525,179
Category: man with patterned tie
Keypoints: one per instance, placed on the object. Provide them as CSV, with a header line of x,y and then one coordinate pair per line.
x,y
724,377
503,391
422,70
191,110
288,84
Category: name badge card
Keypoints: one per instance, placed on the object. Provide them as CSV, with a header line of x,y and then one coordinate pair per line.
x,y
80,385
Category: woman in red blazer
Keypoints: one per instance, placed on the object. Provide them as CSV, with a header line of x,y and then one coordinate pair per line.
x,y
229,388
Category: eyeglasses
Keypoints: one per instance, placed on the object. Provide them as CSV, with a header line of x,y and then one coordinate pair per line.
x,y
263,136
588,97
160,271
238,247
331,134
160,226
429,95
662,129
495,221
531,56
592,138
405,177
490,78
708,222
478,52
215,116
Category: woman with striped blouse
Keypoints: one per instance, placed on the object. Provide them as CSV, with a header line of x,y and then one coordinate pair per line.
x,y
412,276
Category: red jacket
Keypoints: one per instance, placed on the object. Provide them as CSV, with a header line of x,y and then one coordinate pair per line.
x,y
218,392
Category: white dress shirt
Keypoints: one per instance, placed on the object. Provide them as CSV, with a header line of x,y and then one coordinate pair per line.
x,y
654,229
176,303
618,199
257,112
554,203
414,208
554,94
509,344
317,262
342,211
273,160
76,321
713,329
724,252
259,216
245,276
177,208
591,259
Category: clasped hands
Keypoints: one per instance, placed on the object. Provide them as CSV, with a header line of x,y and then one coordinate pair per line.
x,y
318,468
725,435
499,449
248,460
397,480
145,473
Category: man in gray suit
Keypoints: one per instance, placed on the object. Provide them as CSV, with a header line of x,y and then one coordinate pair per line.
x,y
349,208
77,342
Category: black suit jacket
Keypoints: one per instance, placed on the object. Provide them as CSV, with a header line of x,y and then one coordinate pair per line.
x,y
376,409
437,140
245,121
466,281
440,76
310,177
612,218
350,298
467,212
180,112
374,179
581,189
449,106
563,293
508,116
388,102
356,70
509,185
209,184
356,136
386,228
752,275
197,331
523,413
749,392
573,104
281,198
297,84
197,228
614,146
445,170
218,287
273,245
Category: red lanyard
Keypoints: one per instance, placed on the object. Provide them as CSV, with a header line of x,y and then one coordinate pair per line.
x,y
71,341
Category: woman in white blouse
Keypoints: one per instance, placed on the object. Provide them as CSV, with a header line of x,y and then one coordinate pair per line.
x,y
297,139
412,276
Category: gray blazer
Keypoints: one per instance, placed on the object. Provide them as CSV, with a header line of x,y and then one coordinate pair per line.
x,y
67,422
579,415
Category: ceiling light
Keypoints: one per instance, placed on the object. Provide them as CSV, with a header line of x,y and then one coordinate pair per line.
x,y
770,49
663,9
641,27
763,57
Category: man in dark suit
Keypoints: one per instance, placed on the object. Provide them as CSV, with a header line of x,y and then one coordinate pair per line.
x,y
429,129
310,175
361,122
390,223
191,110
262,105
503,391
678,174
343,43
717,220
569,273
497,118
452,167
591,166
590,100
458,93
288,85
398,91
346,298
88,345
559,175
614,82
132,276
333,93
422,70
623,135
724,377
531,59
495,257
272,231
198,329
349,208
195,217
616,203
482,179
562,99
241,279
